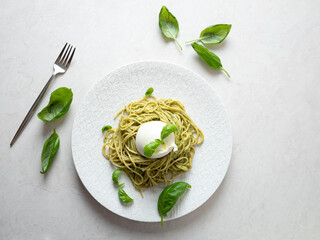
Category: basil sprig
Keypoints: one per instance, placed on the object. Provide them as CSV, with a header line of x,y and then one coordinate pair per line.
x,y
49,150
209,57
151,147
106,128
213,34
149,92
167,130
123,196
168,24
59,104
169,197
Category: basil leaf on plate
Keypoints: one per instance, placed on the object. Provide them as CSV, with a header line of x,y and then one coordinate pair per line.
x,y
149,92
123,196
209,57
168,24
49,150
167,130
115,176
59,104
151,147
169,197
106,128
213,34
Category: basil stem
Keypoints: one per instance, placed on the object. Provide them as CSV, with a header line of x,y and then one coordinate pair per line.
x,y
167,130
168,24
149,92
169,197
106,128
59,104
49,150
209,57
213,34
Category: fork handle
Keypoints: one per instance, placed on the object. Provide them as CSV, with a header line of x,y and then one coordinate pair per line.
x,y
32,110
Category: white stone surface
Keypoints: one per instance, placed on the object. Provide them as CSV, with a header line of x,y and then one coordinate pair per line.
x,y
271,190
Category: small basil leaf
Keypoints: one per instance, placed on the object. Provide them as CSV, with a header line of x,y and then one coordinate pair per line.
x,y
169,197
59,104
151,147
106,128
209,57
123,196
213,34
167,130
49,150
149,92
115,176
168,24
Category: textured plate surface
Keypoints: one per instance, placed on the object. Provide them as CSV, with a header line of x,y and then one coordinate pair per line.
x,y
127,84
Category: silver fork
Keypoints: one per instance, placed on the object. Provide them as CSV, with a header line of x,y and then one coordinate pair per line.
x,y
60,66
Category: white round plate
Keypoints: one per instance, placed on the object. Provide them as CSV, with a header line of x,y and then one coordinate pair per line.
x,y
127,84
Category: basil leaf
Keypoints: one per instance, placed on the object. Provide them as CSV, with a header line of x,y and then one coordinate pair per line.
x,y
49,150
123,196
149,92
106,128
151,147
159,141
115,176
167,130
59,104
168,24
169,197
209,57
213,34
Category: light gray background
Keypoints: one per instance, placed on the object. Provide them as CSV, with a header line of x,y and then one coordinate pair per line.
x,y
271,190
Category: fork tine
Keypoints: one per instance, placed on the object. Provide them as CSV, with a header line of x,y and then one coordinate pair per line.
x,y
70,59
59,57
64,55
67,57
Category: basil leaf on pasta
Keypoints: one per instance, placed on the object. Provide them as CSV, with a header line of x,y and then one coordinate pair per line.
x,y
151,147
149,92
159,141
167,130
106,128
